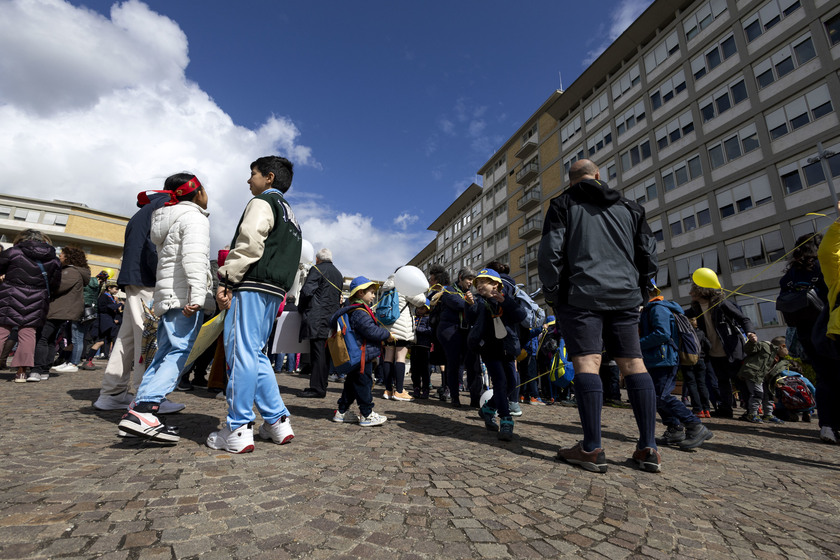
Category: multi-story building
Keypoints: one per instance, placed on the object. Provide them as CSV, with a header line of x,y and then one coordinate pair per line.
x,y
98,233
707,112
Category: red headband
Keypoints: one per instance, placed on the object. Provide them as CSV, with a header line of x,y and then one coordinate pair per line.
x,y
186,188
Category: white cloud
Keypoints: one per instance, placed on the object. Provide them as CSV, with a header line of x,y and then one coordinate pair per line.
x,y
624,14
405,219
96,109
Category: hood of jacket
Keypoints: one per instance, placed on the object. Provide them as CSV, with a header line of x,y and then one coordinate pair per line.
x,y
671,305
37,251
594,192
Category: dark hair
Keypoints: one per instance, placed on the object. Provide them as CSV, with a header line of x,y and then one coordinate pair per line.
x,y
440,274
499,267
174,181
74,256
282,168
711,294
31,235
804,255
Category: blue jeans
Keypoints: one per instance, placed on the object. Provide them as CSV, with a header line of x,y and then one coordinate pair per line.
x,y
251,377
175,337
78,332
671,409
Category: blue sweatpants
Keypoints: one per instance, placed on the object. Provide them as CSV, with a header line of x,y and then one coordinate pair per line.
x,y
250,374
175,337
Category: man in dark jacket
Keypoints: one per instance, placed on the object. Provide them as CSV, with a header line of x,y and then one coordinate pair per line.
x,y
319,298
137,279
597,259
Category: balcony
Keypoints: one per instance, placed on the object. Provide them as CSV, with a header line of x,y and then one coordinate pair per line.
x,y
528,173
532,228
528,147
529,200
528,258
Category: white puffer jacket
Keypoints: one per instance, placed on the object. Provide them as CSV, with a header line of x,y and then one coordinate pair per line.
x,y
181,234
403,328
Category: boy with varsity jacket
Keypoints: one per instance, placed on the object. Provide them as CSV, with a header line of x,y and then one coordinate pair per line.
x,y
260,268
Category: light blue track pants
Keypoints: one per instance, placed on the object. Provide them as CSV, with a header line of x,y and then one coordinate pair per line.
x,y
175,337
251,377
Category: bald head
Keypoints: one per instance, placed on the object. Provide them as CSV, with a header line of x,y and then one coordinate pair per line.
x,y
582,169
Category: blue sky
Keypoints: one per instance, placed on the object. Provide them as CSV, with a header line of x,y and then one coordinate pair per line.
x,y
387,108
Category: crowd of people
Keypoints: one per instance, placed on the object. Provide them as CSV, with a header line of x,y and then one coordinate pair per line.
x,y
608,322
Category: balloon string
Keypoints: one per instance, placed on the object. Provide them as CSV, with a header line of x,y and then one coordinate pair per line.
x,y
763,270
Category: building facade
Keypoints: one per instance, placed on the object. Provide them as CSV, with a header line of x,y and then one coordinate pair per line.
x,y
98,233
707,112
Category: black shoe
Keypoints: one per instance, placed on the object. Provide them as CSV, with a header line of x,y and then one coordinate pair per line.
x,y
695,435
310,394
200,381
184,385
722,413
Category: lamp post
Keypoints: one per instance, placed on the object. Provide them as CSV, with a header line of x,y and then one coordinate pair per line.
x,y
822,157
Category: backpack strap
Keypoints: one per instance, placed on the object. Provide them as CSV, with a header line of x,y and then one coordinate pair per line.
x,y
44,274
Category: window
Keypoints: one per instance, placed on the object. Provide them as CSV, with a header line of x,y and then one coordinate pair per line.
x,y
532,132
630,118
656,228
801,174
568,131
5,212
687,265
500,210
599,141
667,90
832,27
784,61
713,57
625,82
669,46
811,226
21,214
689,218
643,192
576,155
596,107
681,173
755,251
799,112
743,197
635,155
768,16
744,142
722,100
612,172
702,17
674,130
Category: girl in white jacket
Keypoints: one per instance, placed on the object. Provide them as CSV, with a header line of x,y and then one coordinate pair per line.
x,y
403,330
180,231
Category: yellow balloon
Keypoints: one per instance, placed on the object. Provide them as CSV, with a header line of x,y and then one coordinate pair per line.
x,y
706,278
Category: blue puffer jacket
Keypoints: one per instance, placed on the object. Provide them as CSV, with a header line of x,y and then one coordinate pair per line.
x,y
659,337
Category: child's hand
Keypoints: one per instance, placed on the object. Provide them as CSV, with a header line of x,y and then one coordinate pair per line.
x,y
223,298
189,310
468,297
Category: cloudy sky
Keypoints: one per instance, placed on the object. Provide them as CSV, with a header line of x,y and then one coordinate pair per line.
x,y
386,108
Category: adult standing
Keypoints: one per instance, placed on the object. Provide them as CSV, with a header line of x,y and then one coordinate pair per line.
x,y
30,272
727,329
320,298
597,259
68,304
125,368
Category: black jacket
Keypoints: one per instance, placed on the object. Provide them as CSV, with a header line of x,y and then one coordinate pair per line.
x,y
597,251
139,261
24,299
319,298
727,319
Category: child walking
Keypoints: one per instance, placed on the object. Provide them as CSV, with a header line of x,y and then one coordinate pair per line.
x,y
358,384
764,361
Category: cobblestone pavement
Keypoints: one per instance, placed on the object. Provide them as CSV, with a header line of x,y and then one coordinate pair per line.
x,y
430,483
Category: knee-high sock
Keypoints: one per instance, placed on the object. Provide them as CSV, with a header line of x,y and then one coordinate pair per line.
x,y
642,395
590,399
399,376
388,375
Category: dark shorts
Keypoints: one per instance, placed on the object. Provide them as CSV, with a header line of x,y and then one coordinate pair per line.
x,y
589,332
399,343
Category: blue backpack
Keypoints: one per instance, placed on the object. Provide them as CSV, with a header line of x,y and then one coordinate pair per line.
x,y
388,309
347,351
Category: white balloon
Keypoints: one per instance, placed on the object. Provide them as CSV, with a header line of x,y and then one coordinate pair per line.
x,y
486,396
410,281
307,252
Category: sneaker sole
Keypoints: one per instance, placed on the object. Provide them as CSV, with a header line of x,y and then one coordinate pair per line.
x,y
246,449
286,439
648,466
695,444
149,433
586,465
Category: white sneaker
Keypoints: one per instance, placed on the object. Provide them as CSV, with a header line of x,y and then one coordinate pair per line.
x,y
348,417
279,432
34,376
67,367
169,407
372,419
827,434
44,376
57,369
240,440
113,402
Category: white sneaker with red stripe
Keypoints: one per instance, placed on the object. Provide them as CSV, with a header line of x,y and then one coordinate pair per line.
x,y
279,432
240,440
141,421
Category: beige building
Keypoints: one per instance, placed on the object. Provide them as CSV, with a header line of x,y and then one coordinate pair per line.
x,y
98,233
707,112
